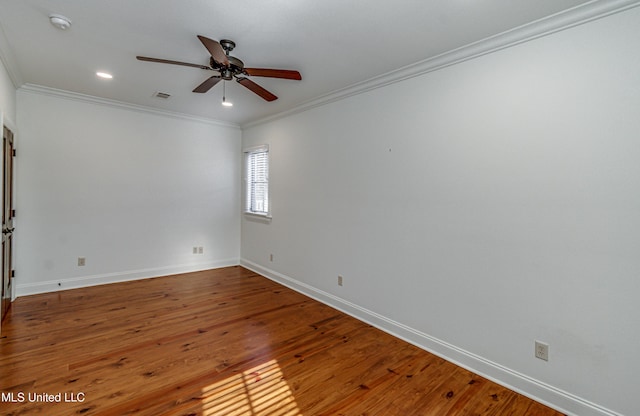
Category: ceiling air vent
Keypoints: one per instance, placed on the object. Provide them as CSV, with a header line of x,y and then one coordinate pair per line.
x,y
162,95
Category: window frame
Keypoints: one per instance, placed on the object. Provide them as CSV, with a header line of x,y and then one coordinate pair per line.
x,y
249,188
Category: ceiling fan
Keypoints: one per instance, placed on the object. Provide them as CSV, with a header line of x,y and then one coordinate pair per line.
x,y
230,67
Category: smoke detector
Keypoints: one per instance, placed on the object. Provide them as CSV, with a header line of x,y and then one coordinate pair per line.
x,y
60,21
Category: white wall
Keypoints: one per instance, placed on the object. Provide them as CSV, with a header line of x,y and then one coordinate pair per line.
x,y
477,208
7,97
130,191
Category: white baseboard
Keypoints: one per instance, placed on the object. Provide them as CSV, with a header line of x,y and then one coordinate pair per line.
x,y
541,392
124,276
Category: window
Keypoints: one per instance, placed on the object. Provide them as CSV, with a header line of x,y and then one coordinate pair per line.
x,y
257,181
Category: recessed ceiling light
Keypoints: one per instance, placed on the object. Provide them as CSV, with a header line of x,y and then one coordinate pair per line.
x,y
104,75
60,21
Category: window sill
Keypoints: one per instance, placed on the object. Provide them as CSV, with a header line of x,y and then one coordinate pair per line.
x,y
259,217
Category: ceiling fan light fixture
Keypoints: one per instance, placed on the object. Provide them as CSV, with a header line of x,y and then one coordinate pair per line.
x,y
224,98
60,21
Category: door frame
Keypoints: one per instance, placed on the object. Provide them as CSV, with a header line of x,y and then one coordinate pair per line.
x,y
8,213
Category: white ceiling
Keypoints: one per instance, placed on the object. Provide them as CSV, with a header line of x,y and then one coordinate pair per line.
x,y
333,43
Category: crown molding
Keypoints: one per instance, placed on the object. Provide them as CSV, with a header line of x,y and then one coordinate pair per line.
x,y
587,12
74,96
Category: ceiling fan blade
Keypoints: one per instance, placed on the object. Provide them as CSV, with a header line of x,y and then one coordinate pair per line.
x,y
273,73
207,84
215,49
166,61
246,82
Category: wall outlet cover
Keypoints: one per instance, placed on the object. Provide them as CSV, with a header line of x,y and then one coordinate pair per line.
x,y
542,351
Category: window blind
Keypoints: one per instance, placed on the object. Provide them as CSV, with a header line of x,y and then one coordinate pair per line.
x,y
257,197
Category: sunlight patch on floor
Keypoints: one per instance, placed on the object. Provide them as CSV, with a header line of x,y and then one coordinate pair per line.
x,y
261,390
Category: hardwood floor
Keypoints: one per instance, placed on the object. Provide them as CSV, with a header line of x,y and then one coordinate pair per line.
x,y
222,342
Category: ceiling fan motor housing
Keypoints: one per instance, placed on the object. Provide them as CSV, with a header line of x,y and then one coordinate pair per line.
x,y
236,66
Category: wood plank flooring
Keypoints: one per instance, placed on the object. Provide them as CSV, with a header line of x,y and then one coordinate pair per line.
x,y
222,342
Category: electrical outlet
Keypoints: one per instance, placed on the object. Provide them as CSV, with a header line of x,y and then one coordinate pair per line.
x,y
81,261
339,280
270,257
542,351
195,250
200,250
